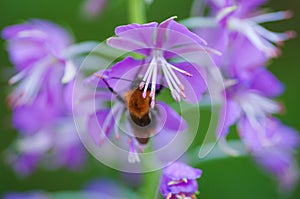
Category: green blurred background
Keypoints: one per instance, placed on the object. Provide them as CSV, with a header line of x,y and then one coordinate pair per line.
x,y
230,178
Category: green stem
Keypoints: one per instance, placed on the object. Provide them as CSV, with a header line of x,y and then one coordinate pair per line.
x,y
150,186
137,11
151,180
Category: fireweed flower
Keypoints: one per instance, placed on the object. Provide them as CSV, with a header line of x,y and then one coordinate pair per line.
x,y
241,19
47,132
250,105
34,49
273,146
159,43
108,119
179,181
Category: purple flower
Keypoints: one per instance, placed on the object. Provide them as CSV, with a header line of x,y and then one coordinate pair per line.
x,y
247,6
47,132
179,181
159,43
251,99
240,20
108,119
35,48
272,144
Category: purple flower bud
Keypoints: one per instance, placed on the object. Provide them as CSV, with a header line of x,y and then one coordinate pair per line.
x,y
179,181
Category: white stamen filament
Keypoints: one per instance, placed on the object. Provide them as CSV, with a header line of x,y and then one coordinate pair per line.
x,y
153,86
171,81
260,41
180,70
257,108
18,76
28,89
175,78
142,84
173,91
159,64
271,36
225,12
147,78
259,36
269,17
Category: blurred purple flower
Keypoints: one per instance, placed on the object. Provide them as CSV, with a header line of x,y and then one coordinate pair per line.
x,y
159,43
251,99
107,119
273,145
179,181
240,20
249,104
35,48
92,8
48,133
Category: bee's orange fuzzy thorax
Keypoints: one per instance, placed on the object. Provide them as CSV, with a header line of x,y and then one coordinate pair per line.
x,y
137,105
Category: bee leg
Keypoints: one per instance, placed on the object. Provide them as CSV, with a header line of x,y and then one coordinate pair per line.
x,y
110,88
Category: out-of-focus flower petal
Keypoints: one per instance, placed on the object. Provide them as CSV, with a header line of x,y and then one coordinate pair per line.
x,y
232,112
96,127
25,164
179,170
266,83
128,45
30,118
242,61
142,33
177,35
273,146
92,8
170,119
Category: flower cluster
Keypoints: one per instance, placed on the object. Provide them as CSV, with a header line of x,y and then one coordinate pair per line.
x,y
41,102
233,27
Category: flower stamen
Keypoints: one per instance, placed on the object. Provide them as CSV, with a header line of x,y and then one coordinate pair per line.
x,y
169,196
